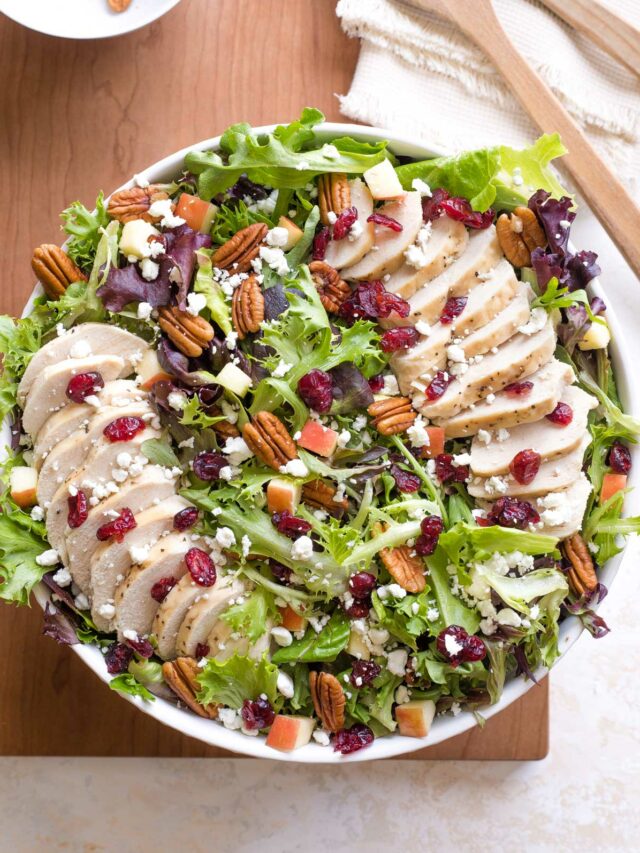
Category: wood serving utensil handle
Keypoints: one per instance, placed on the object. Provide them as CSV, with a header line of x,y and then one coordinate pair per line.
x,y
598,185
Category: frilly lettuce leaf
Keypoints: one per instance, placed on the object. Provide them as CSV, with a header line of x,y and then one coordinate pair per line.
x,y
451,608
250,619
219,308
21,541
323,646
519,592
83,228
232,681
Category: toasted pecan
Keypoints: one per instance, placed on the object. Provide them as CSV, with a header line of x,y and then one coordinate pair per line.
x,y
582,571
405,567
331,288
247,307
238,252
334,195
134,203
54,269
519,234
321,495
190,334
328,700
181,676
269,439
392,415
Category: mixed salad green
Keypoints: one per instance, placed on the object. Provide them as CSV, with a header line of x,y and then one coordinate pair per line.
x,y
320,593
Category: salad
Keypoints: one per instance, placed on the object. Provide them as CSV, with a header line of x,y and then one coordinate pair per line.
x,y
314,440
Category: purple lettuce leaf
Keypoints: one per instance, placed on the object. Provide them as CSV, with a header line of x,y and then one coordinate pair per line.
x,y
575,326
275,301
179,261
125,285
583,609
351,391
178,365
243,187
556,217
522,664
581,268
58,626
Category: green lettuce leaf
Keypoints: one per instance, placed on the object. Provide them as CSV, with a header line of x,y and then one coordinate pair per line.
x,y
84,230
219,308
232,681
325,646
518,592
250,619
127,683
451,608
159,453
21,541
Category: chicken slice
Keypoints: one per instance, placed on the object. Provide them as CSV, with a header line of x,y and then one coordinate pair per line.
x,y
86,339
387,253
224,642
439,243
553,475
111,561
561,512
345,253
519,357
48,392
135,608
507,410
204,614
546,438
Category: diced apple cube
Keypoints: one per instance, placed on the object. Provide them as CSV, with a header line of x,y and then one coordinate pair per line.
x,y
597,336
150,371
357,647
611,485
134,240
414,718
283,495
197,213
436,443
23,485
383,181
295,233
288,733
291,620
318,438
234,379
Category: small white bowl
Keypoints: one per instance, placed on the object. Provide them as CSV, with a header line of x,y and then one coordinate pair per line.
x,y
84,19
444,727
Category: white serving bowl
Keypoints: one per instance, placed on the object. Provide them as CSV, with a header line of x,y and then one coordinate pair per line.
x,y
444,727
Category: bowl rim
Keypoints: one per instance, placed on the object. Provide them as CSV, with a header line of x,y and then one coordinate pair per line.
x,y
444,728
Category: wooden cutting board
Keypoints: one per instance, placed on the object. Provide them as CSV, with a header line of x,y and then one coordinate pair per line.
x,y
80,116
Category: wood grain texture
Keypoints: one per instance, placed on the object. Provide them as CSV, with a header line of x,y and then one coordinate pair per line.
x,y
80,116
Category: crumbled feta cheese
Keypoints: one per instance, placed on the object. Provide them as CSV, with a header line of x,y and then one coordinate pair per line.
x,y
508,617
452,646
344,437
390,386
139,553
418,434
163,208
188,442
282,636
321,737
277,237
228,472
230,718
392,589
329,151
397,661
107,611
502,435
355,232
195,303
237,450
536,322
421,187
144,311
231,340
48,558
282,368
359,423
456,354
302,548
484,436
402,695
80,349
37,513
63,577
149,269
275,259
433,614
415,255
295,467
490,398
246,543
423,328
177,400
225,537
284,685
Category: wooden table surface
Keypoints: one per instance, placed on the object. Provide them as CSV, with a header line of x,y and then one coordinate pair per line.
x,y
76,117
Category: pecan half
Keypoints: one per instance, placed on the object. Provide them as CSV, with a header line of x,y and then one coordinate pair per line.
x,y
181,676
190,334
328,700
582,572
320,495
334,195
247,307
392,415
406,568
134,203
268,438
331,288
225,429
238,252
54,269
519,234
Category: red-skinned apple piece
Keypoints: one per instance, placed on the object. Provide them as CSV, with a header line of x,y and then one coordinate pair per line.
x,y
436,443
291,620
198,214
288,733
150,371
318,439
611,484
23,485
283,495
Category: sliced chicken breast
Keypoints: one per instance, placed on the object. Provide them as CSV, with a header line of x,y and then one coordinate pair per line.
x,y
345,253
70,454
519,357
506,410
556,474
86,339
204,614
173,610
439,244
561,512
223,642
111,561
546,438
153,484
387,253
121,392
503,326
135,608
48,392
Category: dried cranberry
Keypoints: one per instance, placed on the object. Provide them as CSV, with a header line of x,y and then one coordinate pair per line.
x,y
78,509
452,309
353,739
141,647
562,415
117,658
281,573
376,383
400,338
460,209
361,584
385,221
257,714
512,512
344,222
185,519
201,567
405,481
457,646
620,458
447,472
320,243
525,465
371,301
84,385
518,389
359,608
432,205
316,390
123,429
207,465
290,525
431,527
438,385
363,672
117,528
161,589
202,650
